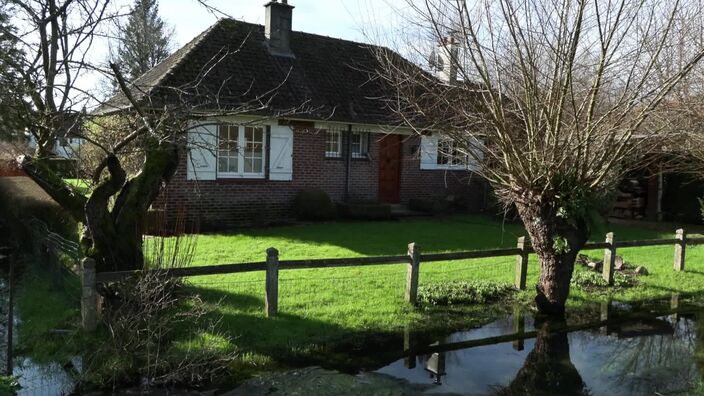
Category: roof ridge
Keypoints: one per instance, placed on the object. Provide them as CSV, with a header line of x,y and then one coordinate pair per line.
x,y
307,33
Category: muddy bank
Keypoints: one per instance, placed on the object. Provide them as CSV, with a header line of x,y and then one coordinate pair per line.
x,y
318,381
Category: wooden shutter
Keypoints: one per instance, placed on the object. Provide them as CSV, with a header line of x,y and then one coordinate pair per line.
x,y
202,148
281,153
428,152
477,148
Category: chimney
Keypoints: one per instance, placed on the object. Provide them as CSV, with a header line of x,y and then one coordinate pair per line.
x,y
444,60
277,28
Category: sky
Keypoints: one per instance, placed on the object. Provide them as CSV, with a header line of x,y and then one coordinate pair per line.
x,y
335,18
357,20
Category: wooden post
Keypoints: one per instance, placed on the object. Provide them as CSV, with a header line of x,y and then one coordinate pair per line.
x,y
680,249
609,260
521,264
272,282
89,295
412,274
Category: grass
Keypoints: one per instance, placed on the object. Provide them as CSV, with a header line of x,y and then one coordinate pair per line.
x,y
336,316
47,311
327,306
79,184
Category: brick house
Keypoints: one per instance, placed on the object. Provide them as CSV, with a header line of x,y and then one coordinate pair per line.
x,y
247,169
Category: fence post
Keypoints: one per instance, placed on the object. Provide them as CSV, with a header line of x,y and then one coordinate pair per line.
x,y
609,260
89,295
412,274
272,282
521,264
680,246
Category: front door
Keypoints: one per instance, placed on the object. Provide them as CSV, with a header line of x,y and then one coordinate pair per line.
x,y
390,169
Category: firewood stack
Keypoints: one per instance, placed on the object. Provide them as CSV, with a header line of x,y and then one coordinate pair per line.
x,y
630,201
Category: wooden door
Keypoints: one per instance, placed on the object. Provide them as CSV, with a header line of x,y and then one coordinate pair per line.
x,y
390,169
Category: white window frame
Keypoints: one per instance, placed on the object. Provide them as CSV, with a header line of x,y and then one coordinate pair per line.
x,y
362,150
454,163
241,145
331,135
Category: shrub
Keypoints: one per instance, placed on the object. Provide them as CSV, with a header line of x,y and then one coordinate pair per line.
x,y
313,204
463,292
9,385
590,280
365,210
428,205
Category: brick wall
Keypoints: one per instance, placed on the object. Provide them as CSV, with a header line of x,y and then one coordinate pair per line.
x,y
229,203
439,183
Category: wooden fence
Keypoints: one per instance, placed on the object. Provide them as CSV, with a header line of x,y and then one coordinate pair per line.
x,y
413,259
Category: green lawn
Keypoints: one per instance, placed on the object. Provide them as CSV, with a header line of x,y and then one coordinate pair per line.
x,y
324,306
327,315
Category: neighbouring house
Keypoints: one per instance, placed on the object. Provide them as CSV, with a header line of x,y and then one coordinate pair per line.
x,y
69,140
343,138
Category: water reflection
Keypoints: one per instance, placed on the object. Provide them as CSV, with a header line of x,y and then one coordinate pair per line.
x,y
548,368
662,354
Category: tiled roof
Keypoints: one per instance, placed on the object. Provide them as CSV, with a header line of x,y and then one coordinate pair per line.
x,y
229,64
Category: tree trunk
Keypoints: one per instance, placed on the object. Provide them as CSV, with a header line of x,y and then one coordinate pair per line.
x,y
556,240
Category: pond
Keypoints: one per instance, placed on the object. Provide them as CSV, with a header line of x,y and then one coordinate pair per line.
x,y
653,356
615,350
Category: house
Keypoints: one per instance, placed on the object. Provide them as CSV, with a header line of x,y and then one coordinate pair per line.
x,y
343,138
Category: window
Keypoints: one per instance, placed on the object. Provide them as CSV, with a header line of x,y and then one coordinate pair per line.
x,y
450,155
240,151
360,144
333,144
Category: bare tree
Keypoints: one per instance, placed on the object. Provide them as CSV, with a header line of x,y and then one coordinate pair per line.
x,y
552,97
151,136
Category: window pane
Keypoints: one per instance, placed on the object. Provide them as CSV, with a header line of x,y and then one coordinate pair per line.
x,y
332,144
254,150
227,148
359,144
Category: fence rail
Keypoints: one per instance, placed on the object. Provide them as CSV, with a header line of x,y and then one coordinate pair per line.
x,y
413,259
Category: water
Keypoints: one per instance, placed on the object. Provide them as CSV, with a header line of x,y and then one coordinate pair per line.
x,y
605,354
652,356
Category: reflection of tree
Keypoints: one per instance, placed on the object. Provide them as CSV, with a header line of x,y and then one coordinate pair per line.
x,y
699,344
648,355
548,369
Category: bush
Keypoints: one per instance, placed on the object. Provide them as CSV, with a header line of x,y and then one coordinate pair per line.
x,y
313,204
463,292
367,211
9,385
590,280
428,205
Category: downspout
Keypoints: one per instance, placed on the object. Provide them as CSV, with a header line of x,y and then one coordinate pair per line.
x,y
348,161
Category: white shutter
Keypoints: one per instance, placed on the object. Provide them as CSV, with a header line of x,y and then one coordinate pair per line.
x,y
281,153
202,160
477,149
428,152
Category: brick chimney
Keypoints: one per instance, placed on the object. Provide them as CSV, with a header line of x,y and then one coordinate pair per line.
x,y
444,59
277,28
